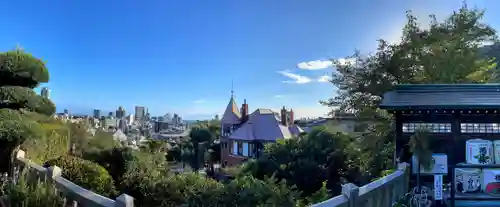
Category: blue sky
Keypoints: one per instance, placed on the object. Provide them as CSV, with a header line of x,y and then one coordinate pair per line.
x,y
182,55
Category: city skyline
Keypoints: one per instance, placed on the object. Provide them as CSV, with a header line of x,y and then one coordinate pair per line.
x,y
130,53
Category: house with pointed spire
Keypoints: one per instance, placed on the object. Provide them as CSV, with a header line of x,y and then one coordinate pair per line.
x,y
244,134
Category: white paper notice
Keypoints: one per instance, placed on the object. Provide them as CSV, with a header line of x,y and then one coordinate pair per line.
x,y
438,187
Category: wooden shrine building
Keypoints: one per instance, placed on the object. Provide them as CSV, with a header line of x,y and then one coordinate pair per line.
x,y
452,113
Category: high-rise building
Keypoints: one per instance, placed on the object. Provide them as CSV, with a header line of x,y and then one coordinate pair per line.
x,y
108,122
111,115
45,92
130,119
66,111
122,125
97,113
140,113
120,113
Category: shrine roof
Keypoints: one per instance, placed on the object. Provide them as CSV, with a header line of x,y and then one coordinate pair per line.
x,y
442,96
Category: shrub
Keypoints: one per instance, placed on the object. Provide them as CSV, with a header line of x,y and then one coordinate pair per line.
x,y
85,173
51,144
15,128
187,189
192,189
33,195
114,160
102,140
140,169
250,191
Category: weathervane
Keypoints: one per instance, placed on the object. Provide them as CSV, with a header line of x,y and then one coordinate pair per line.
x,y
232,87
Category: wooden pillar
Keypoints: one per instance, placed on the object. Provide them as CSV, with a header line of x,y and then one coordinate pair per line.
x,y
452,160
398,143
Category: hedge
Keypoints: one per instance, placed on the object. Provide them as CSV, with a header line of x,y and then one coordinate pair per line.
x,y
85,173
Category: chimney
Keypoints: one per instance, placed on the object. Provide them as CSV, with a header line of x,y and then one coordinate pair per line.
x,y
292,118
283,116
244,110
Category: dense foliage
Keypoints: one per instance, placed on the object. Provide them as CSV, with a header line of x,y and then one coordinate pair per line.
x,y
292,172
24,194
190,189
306,162
444,52
52,143
25,116
85,173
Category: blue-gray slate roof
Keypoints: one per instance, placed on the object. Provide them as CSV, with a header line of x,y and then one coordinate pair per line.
x,y
442,96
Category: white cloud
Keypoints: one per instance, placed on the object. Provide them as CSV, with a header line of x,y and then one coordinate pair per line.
x,y
486,43
324,79
298,79
344,61
315,65
199,101
323,64
278,96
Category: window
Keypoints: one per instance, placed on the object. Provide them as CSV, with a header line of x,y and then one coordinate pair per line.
x,y
431,127
480,127
245,149
235,147
251,150
240,148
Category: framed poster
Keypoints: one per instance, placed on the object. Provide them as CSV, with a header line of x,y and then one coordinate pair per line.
x,y
439,165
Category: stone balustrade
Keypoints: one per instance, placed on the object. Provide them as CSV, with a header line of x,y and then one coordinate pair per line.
x,y
74,195
383,192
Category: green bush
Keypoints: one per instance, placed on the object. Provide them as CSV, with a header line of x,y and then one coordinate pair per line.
x,y
114,160
86,174
15,128
187,189
102,140
22,194
192,189
250,191
51,144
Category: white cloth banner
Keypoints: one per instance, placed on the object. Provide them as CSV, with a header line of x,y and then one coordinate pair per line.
x,y
438,187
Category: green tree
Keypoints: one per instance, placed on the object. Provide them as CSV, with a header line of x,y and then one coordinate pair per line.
x,y
194,151
20,72
154,146
79,137
115,160
306,163
102,140
445,52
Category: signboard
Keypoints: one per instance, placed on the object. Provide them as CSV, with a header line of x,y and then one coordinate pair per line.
x,y
439,165
438,187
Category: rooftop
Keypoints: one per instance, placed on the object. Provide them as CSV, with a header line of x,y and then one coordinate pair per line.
x,y
442,96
